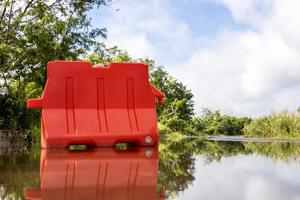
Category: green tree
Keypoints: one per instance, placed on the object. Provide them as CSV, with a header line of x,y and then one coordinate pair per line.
x,y
178,108
33,32
213,123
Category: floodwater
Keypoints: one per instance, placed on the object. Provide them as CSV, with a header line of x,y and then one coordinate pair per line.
x,y
181,169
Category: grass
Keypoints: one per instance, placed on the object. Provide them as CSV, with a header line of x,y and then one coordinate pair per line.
x,y
282,125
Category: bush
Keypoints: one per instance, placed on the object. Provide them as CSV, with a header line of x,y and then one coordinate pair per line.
x,y
277,125
213,123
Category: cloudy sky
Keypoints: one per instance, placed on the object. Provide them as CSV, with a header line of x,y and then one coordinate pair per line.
x,y
239,56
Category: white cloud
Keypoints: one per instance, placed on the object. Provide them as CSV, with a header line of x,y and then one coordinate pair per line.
x,y
249,71
137,24
247,11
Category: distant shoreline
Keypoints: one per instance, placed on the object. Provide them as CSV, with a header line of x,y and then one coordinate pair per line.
x,y
243,139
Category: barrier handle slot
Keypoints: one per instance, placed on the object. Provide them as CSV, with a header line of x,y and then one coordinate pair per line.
x,y
158,94
35,103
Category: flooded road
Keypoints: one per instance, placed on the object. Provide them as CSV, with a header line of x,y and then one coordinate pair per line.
x,y
244,177
244,139
182,169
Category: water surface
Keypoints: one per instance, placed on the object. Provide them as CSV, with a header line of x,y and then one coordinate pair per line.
x,y
182,169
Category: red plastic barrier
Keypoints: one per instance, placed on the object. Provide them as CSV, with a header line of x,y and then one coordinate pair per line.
x,y
82,104
102,174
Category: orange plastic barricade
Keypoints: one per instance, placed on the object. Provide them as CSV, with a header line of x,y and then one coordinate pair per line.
x,y
97,106
101,174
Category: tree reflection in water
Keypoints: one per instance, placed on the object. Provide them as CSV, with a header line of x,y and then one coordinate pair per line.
x,y
176,169
177,158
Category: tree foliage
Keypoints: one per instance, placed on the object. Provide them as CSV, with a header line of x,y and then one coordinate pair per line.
x,y
213,123
178,108
32,33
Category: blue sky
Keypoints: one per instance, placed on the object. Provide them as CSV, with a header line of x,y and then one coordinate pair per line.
x,y
238,56
203,18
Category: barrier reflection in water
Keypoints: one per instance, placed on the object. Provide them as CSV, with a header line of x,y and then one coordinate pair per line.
x,y
98,174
